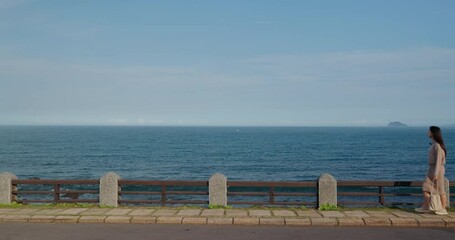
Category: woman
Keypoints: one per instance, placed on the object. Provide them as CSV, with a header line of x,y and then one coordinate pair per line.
x,y
434,181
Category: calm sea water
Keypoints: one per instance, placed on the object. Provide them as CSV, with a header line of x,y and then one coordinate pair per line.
x,y
241,153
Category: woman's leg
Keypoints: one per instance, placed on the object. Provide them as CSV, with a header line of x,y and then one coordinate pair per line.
x,y
443,200
426,200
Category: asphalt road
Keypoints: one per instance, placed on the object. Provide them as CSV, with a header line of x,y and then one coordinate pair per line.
x,y
50,231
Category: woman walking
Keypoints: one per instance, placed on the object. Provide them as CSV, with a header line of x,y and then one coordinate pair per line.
x,y
434,180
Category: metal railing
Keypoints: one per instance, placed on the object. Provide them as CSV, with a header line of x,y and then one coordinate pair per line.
x,y
349,193
452,193
272,193
55,191
385,193
163,190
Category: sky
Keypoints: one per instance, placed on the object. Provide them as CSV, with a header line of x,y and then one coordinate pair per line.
x,y
227,63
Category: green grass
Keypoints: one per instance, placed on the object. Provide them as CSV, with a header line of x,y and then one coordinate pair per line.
x,y
211,206
329,207
12,205
49,205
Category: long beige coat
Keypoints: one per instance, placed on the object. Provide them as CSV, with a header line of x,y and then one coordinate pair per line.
x,y
436,162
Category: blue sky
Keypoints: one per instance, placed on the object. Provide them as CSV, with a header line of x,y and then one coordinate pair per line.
x,y
263,63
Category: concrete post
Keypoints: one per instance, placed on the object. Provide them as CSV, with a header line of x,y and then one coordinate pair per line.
x,y
6,197
218,190
109,190
327,190
447,188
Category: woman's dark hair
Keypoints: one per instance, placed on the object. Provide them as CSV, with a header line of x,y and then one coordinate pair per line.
x,y
437,136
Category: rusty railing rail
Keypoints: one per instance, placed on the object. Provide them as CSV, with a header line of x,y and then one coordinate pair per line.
x,y
164,191
452,193
377,189
55,194
272,191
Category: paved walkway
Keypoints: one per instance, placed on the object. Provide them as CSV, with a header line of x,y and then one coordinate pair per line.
x,y
279,217
50,231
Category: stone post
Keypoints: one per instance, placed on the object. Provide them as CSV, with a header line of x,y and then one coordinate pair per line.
x,y
6,197
447,188
327,190
109,189
218,190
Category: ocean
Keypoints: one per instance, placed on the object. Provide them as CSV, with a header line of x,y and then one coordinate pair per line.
x,y
240,153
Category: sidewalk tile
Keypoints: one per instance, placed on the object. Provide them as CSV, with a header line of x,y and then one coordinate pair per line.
x,y
236,213
222,221
405,214
348,221
331,214
430,222
66,219
213,212
377,222
189,212
117,219
6,210
432,216
356,214
324,222
298,222
271,221
380,214
41,219
283,213
16,218
260,213
143,220
92,219
118,211
164,213
48,212
170,220
194,220
95,211
73,211
404,222
309,213
450,222
141,212
25,211
246,221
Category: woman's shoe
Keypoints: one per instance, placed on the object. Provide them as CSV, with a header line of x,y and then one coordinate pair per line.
x,y
422,210
441,212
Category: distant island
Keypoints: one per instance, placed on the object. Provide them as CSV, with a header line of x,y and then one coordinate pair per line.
x,y
397,124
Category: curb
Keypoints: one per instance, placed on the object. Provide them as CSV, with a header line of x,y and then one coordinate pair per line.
x,y
258,221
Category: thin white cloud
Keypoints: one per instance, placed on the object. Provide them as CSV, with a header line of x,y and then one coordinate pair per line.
x,y
262,22
409,65
8,4
362,66
119,121
141,121
338,87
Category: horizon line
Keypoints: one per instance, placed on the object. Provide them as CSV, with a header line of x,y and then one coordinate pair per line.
x,y
241,126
